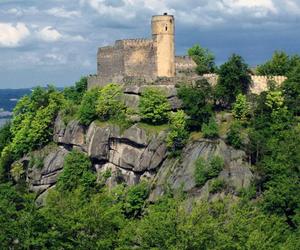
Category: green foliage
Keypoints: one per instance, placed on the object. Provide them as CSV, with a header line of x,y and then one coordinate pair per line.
x,y
154,106
110,103
234,135
197,103
241,108
178,134
135,199
75,93
87,109
205,170
76,172
33,119
234,79
210,130
5,136
291,90
17,170
280,64
204,59
216,186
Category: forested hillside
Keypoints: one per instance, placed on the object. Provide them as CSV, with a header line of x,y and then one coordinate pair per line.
x,y
221,172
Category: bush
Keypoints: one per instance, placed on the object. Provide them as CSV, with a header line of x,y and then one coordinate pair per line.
x,y
5,136
135,199
210,130
216,186
154,106
76,172
177,135
110,103
75,93
234,135
87,109
197,103
205,170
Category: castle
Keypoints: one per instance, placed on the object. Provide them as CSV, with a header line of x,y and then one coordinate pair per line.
x,y
142,59
153,61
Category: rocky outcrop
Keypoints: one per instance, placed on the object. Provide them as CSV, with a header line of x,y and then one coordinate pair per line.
x,y
180,174
41,179
135,154
132,150
132,95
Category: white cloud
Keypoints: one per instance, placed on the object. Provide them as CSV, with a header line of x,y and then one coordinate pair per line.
x,y
49,34
61,12
12,36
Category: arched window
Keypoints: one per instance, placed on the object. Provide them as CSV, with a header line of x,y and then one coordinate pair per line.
x,y
166,27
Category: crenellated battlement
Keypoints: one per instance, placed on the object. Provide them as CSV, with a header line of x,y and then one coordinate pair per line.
x,y
184,63
259,83
139,42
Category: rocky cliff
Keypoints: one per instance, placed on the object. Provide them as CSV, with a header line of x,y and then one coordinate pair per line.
x,y
133,155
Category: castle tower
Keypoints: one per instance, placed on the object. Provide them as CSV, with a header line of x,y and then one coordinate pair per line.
x,y
163,29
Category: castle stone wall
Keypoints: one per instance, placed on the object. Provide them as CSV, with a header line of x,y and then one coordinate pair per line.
x,y
139,58
184,63
111,60
259,83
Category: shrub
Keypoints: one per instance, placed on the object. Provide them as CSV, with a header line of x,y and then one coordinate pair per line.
x,y
110,103
210,130
177,135
5,136
75,93
234,135
76,172
216,186
205,170
17,170
135,199
154,106
87,109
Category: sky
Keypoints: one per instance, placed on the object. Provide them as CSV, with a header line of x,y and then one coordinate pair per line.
x,y
55,41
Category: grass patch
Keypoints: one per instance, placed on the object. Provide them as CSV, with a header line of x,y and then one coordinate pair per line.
x,y
224,128
153,129
196,135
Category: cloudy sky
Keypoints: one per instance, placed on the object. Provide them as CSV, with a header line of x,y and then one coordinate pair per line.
x,y
55,41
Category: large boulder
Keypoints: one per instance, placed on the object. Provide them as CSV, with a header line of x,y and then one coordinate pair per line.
x,y
180,174
40,179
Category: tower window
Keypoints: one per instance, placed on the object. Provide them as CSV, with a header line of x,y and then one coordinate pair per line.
x,y
166,28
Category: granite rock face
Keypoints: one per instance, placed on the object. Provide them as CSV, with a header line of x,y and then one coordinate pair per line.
x,y
179,174
135,154
40,179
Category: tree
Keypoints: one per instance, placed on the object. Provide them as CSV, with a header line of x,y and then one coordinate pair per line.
x,y
234,79
110,103
87,110
281,64
178,134
291,90
75,93
154,106
241,108
203,58
76,172
5,136
196,103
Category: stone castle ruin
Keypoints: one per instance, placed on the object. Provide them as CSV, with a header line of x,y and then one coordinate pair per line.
x,y
152,61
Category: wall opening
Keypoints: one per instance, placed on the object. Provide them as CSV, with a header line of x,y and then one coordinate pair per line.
x,y
166,28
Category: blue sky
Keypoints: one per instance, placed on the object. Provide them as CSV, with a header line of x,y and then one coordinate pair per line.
x,y
55,41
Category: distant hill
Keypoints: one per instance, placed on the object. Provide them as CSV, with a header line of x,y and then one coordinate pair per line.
x,y
9,98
